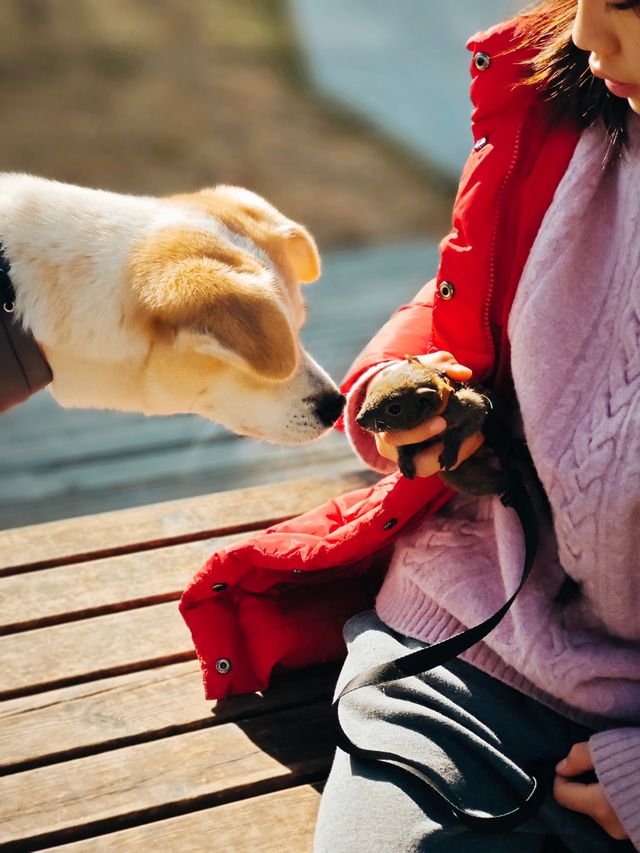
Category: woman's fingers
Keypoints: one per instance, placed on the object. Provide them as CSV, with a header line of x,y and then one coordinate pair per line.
x,y
445,361
577,796
427,461
388,442
423,432
588,798
578,760
468,448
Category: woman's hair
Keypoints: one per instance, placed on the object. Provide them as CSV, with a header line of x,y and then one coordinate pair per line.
x,y
561,71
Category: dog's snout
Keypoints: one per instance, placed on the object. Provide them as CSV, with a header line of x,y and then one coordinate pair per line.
x,y
328,408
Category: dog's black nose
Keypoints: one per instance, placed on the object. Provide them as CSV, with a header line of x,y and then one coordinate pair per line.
x,y
328,408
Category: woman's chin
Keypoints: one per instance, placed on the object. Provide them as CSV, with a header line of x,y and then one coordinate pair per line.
x,y
634,103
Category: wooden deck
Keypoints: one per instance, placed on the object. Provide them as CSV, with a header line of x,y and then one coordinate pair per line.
x,y
58,464
106,741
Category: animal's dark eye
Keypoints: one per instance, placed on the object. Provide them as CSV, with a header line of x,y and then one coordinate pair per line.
x,y
394,409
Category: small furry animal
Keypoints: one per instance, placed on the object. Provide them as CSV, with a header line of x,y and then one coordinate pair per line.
x,y
408,393
189,303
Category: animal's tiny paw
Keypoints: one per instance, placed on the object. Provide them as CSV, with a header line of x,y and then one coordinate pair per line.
x,y
406,465
408,470
448,458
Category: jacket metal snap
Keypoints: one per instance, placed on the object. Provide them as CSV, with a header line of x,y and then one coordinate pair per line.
x,y
219,587
389,524
223,666
482,61
446,290
480,143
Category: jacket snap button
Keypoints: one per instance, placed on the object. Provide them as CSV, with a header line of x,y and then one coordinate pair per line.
x,y
219,587
482,61
223,666
446,290
389,524
480,143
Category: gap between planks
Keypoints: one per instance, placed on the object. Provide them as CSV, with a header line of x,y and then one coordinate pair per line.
x,y
83,590
164,778
281,822
87,649
93,717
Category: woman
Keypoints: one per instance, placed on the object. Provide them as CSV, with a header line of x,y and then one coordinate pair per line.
x,y
559,678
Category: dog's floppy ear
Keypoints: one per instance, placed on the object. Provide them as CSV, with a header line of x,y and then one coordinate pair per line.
x,y
301,251
229,302
245,212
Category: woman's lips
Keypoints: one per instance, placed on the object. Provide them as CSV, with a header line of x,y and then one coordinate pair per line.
x,y
621,90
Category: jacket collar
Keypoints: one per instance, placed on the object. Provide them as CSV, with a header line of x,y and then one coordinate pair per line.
x,y
23,368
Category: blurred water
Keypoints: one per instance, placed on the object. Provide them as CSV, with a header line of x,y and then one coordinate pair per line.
x,y
402,66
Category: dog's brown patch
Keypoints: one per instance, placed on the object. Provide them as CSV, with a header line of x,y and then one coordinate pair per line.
x,y
198,280
244,212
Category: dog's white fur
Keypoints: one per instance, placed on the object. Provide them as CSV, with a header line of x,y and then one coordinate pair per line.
x,y
167,305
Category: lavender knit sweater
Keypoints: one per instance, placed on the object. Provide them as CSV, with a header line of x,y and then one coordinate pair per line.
x,y
575,334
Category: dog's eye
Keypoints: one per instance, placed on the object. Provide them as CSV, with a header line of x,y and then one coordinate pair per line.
x,y
394,409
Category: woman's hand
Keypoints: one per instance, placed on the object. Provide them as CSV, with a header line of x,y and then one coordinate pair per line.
x,y
588,798
427,461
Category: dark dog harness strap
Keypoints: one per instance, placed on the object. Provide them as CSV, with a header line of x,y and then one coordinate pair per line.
x,y
23,368
517,497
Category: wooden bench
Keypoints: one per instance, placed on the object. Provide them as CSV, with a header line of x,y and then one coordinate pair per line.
x,y
106,740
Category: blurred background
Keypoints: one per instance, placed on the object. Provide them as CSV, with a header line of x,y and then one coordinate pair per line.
x,y
351,116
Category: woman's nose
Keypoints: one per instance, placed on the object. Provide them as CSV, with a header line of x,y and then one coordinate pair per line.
x,y
592,28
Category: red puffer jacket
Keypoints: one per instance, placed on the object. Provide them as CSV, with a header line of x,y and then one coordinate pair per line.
x,y
281,598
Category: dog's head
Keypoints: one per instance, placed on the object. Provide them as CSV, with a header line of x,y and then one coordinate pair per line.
x,y
224,303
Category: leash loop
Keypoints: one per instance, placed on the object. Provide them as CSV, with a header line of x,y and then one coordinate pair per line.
x,y
516,497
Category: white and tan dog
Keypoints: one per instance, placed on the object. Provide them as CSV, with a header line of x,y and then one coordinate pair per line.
x,y
164,305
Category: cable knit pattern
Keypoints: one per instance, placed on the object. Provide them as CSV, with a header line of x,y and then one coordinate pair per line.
x,y
575,335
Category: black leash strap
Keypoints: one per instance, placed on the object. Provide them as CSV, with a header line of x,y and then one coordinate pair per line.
x,y
517,497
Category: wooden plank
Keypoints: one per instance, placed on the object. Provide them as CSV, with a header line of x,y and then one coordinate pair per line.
x,y
164,777
74,721
93,648
36,599
282,822
80,539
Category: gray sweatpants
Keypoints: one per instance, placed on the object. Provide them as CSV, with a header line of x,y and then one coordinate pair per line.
x,y
471,734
